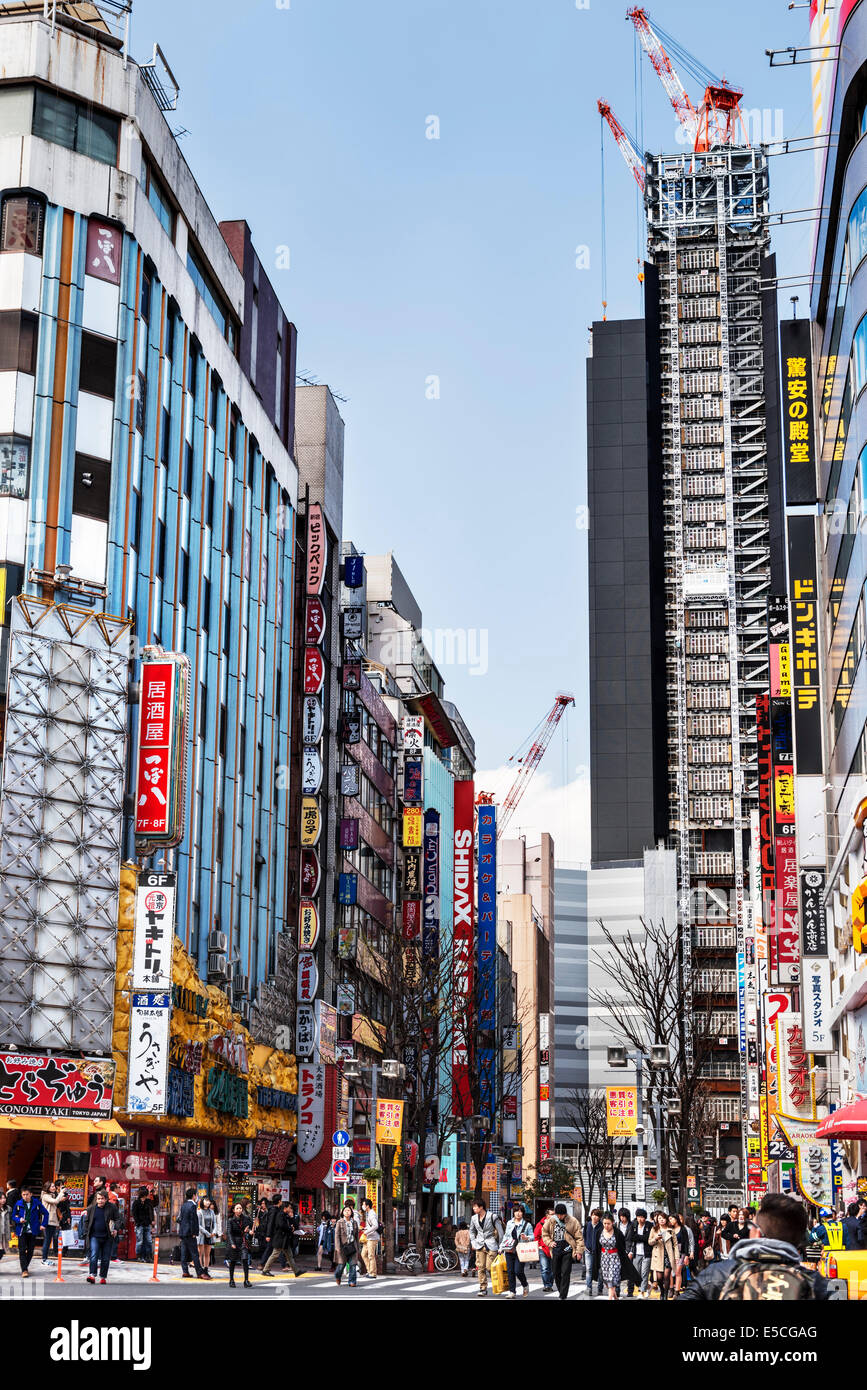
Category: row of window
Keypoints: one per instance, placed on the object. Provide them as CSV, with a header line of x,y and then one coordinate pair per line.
x,y
63,120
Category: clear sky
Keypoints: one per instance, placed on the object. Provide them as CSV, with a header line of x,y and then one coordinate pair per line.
x,y
455,258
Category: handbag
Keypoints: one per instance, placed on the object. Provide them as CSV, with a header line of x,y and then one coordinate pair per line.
x,y
528,1251
68,1238
707,1253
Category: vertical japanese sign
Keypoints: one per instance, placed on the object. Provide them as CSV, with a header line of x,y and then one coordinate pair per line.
x,y
486,948
317,550
798,432
310,946
779,647
311,1110
431,885
813,920
104,250
766,824
160,779
805,644
149,1017
784,938
462,948
544,1087
153,935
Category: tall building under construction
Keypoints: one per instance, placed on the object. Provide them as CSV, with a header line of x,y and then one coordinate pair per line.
x,y
686,548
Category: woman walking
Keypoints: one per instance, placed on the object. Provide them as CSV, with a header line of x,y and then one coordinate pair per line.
x,y
611,1262
663,1253
517,1229
707,1239
682,1234
238,1231
346,1237
50,1197
210,1230
325,1241
5,1225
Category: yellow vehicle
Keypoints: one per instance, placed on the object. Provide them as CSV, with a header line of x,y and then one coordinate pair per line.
x,y
847,1267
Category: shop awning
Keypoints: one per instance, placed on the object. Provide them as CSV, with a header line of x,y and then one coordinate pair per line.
x,y
850,1122
46,1124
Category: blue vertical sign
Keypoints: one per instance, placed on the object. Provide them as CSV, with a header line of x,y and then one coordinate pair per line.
x,y
742,1002
487,950
430,879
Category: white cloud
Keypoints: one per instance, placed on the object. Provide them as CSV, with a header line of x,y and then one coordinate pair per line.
x,y
562,811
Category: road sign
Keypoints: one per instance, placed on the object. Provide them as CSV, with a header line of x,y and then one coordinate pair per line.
x,y
340,1151
340,1169
340,1139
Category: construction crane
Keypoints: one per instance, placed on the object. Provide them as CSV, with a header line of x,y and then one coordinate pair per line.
x,y
625,143
719,120
541,736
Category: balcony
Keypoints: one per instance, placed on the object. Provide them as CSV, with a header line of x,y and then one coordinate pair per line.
x,y
715,938
715,981
715,864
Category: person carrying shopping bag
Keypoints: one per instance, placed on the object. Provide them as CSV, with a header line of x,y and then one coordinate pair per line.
x,y
517,1230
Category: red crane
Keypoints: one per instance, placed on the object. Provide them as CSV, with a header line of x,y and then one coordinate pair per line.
x,y
625,143
719,120
530,762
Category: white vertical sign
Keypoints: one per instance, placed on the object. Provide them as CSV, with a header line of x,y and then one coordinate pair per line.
x,y
817,1004
153,936
147,1084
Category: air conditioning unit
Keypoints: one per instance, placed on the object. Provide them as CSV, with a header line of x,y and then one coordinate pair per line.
x,y
217,964
241,984
218,942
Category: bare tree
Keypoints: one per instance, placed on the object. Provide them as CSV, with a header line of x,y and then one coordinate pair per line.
x,y
652,1001
601,1156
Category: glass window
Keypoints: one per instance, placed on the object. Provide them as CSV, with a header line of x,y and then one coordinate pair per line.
x,y
17,342
857,232
98,367
16,110
92,487
23,220
158,198
76,126
14,465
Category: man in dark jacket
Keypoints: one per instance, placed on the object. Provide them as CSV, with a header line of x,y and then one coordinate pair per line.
x,y
143,1220
781,1224
281,1243
188,1230
856,1226
29,1219
592,1232
100,1227
266,1230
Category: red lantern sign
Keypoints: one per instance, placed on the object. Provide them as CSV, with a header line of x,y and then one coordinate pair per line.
x,y
315,621
314,671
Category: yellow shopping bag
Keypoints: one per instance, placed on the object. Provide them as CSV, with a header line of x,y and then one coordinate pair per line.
x,y
499,1278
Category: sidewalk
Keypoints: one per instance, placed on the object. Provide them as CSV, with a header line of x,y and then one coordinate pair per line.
x,y
75,1270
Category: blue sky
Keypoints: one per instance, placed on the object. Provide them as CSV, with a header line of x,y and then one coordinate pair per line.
x,y
413,258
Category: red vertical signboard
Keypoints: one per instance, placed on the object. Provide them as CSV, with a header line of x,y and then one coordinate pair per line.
x,y
462,947
153,790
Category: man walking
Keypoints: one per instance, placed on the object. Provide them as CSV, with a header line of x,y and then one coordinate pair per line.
x,y
592,1232
143,1220
188,1230
371,1232
282,1231
562,1235
29,1217
641,1249
99,1235
486,1232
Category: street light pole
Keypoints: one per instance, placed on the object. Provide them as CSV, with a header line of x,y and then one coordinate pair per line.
x,y
639,1128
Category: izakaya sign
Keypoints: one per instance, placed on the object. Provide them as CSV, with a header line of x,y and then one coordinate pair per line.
x,y
60,1088
160,779
149,1017
154,932
462,947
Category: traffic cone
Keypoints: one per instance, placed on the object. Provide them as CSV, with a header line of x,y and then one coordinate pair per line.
x,y
430,1262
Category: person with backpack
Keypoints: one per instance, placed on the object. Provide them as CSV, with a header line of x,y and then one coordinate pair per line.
x,y
462,1248
143,1219
518,1229
486,1233
370,1244
768,1266
347,1234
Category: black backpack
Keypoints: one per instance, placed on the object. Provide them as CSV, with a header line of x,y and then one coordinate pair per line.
x,y
767,1278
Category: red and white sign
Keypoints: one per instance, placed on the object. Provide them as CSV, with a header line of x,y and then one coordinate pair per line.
x,y
311,1110
308,978
412,919
310,873
314,671
317,549
154,792
104,251
60,1088
462,947
315,621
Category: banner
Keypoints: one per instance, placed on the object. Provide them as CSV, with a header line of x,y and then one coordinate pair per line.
x,y
161,762
311,1110
389,1121
621,1109
805,643
796,1093
816,1004
153,932
798,424
431,885
149,1018
56,1087
462,947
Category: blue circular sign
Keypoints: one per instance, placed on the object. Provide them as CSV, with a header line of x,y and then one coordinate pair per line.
x,y
340,1139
